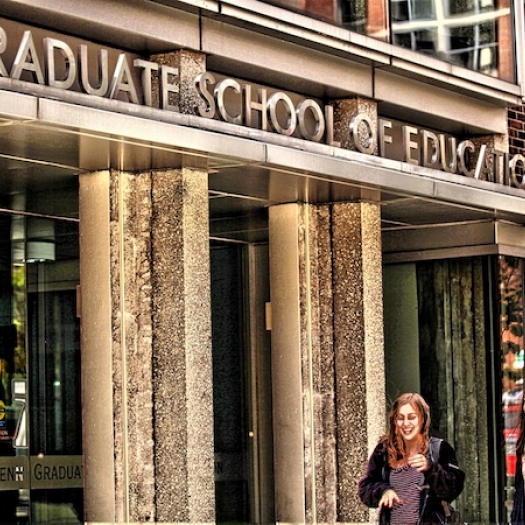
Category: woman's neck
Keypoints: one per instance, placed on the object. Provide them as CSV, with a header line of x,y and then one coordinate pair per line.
x,y
411,448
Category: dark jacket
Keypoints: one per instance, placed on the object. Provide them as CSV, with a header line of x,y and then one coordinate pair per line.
x,y
516,517
443,481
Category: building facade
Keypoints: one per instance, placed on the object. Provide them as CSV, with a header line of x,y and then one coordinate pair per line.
x,y
234,231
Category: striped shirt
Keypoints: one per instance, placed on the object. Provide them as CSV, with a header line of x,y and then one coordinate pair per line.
x,y
406,482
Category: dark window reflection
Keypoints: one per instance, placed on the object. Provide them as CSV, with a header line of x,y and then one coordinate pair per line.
x,y
54,373
40,407
511,334
229,389
475,34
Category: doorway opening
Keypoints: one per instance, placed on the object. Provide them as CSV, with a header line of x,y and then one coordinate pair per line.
x,y
244,491
443,340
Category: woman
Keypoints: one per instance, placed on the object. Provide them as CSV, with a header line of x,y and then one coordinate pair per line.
x,y
409,473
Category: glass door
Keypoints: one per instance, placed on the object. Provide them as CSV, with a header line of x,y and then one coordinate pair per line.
x,y
241,384
40,417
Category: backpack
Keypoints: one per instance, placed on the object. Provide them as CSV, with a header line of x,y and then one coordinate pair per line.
x,y
451,514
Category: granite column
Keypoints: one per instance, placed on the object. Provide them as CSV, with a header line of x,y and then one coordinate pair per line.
x,y
146,347
327,356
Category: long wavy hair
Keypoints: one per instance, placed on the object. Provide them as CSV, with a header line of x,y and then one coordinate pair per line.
x,y
393,442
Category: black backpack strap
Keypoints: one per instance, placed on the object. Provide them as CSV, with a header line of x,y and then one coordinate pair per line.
x,y
384,471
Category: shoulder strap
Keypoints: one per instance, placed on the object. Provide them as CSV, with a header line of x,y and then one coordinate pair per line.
x,y
435,445
384,468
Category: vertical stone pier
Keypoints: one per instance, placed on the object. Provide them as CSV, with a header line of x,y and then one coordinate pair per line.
x,y
147,375
97,349
327,356
182,359
358,346
146,344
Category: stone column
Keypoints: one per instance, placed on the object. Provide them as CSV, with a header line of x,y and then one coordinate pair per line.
x,y
188,65
490,165
96,343
344,112
182,360
329,398
132,293
358,346
146,347
286,222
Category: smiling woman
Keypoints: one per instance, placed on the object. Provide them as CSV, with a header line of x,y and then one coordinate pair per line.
x,y
404,476
408,426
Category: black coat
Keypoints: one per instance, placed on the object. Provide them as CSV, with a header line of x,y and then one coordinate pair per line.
x,y
444,479
516,517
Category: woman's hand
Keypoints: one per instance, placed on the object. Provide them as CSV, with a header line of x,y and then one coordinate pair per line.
x,y
389,498
419,462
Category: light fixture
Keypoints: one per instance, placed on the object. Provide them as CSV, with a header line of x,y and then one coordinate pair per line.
x,y
40,240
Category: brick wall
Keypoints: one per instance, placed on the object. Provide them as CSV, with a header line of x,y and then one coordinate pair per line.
x,y
516,118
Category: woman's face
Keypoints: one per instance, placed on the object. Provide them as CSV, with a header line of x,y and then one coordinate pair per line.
x,y
408,423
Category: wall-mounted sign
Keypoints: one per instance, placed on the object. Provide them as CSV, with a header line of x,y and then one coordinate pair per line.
x,y
305,118
423,147
66,63
40,472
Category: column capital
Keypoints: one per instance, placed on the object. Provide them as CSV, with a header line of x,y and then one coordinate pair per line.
x,y
173,86
348,131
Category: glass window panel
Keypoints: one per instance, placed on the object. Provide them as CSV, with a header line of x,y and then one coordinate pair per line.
x,y
54,373
485,35
511,336
229,387
461,37
64,507
422,10
470,372
244,481
369,17
353,15
405,40
487,59
461,7
458,7
423,41
40,429
475,34
400,12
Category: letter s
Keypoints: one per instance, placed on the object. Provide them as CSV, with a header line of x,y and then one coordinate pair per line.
x,y
201,83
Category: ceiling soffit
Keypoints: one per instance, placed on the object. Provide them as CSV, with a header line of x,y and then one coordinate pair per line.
x,y
246,176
